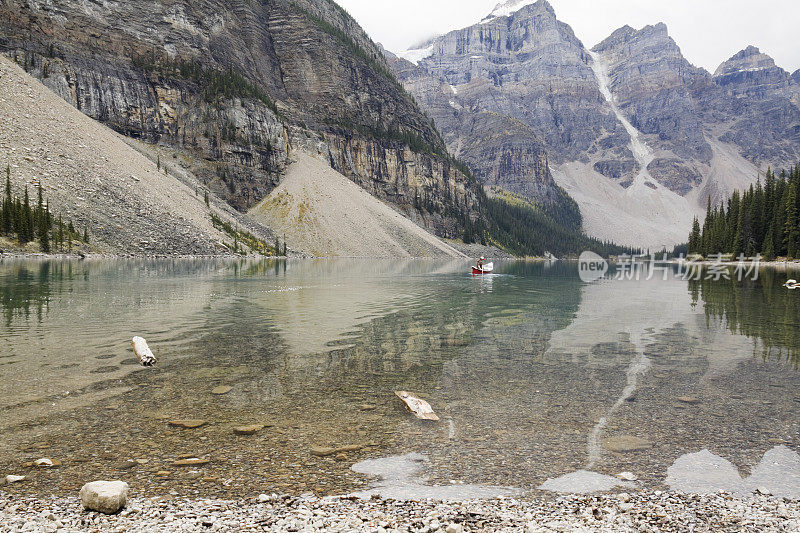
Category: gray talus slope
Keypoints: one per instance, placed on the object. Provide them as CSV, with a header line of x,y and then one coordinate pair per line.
x,y
322,212
93,177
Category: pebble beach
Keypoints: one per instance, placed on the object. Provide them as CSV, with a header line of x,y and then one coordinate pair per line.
x,y
639,511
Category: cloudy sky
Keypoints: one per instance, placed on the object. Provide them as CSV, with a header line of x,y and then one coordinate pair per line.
x,y
708,31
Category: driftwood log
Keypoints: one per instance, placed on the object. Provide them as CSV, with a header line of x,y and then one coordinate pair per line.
x,y
142,351
418,406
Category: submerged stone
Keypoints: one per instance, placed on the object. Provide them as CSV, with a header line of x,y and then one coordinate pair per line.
x,y
625,444
688,399
583,482
248,430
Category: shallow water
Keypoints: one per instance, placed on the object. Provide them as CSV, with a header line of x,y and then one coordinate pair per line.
x,y
536,376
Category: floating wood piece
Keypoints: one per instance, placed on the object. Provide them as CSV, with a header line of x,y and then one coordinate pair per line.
x,y
142,351
419,407
192,461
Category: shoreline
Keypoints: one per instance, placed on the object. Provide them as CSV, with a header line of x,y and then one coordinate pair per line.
x,y
95,256
496,257
639,511
705,262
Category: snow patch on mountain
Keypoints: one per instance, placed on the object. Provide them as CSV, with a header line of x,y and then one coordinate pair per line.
x,y
415,55
641,152
504,9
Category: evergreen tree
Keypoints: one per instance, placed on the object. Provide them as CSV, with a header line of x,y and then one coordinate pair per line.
x,y
768,250
695,240
707,247
757,219
792,229
60,233
43,228
39,219
7,216
742,232
731,225
44,235
24,221
764,219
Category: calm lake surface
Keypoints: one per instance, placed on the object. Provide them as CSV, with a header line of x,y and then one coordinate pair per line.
x,y
540,380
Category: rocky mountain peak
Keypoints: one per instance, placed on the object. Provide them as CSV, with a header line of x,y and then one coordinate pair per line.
x,y
751,59
657,33
620,35
651,35
510,7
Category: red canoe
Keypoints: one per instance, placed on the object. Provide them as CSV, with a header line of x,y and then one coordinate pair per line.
x,y
487,269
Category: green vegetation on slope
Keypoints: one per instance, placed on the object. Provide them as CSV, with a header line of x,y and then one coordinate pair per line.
x,y
244,237
764,220
526,229
214,83
25,223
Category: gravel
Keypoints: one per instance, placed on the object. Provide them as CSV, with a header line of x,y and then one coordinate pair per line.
x,y
643,511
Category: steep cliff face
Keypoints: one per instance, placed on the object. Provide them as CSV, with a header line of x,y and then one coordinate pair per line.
x,y
239,85
759,104
529,66
653,85
752,74
502,151
512,95
507,154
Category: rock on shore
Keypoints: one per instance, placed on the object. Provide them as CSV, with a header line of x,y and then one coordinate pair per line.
x,y
107,497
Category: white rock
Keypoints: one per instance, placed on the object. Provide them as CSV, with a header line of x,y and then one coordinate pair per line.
x,y
14,479
105,496
263,498
627,476
454,528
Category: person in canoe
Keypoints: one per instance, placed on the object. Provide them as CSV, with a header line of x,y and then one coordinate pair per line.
x,y
480,263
